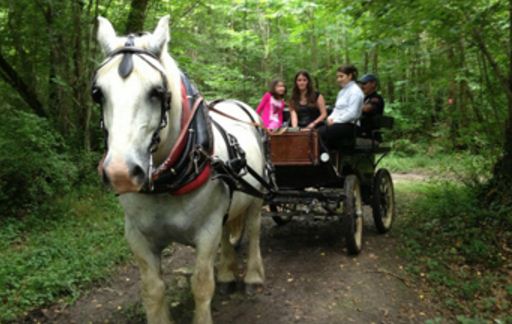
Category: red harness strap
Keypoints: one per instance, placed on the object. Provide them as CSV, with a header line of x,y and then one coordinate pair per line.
x,y
179,146
178,149
204,175
196,183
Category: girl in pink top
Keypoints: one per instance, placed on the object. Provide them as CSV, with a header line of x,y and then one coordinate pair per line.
x,y
272,105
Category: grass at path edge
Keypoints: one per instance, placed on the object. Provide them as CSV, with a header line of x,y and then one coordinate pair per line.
x,y
55,254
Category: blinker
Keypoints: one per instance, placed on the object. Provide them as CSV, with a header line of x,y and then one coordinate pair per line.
x,y
97,95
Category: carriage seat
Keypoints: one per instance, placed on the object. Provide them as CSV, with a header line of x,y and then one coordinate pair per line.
x,y
371,127
370,133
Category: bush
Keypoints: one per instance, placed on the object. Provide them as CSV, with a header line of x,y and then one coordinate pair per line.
x,y
34,164
449,214
48,260
459,244
405,147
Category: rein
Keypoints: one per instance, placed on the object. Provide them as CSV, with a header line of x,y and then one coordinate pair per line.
x,y
211,107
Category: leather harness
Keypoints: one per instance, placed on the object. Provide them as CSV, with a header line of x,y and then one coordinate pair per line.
x,y
191,161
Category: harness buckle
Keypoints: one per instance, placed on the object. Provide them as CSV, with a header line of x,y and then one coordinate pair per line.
x,y
196,163
196,157
232,141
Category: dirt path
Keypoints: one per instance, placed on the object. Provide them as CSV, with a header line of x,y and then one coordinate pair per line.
x,y
310,279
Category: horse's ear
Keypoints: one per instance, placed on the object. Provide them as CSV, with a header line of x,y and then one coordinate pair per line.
x,y
106,35
161,36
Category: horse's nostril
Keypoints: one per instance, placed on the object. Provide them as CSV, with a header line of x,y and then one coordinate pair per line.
x,y
138,172
104,178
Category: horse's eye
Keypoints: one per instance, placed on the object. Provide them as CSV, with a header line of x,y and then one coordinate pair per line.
x,y
97,95
157,93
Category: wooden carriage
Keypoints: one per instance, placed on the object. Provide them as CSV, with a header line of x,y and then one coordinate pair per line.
x,y
339,181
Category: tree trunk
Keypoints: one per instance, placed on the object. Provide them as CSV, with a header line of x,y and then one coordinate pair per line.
x,y
366,62
313,43
391,91
23,60
135,22
503,168
346,46
58,107
490,88
501,191
375,60
80,72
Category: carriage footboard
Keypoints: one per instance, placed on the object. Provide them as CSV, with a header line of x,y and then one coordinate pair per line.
x,y
329,200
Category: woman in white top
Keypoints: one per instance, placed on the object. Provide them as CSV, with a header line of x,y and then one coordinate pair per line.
x,y
342,122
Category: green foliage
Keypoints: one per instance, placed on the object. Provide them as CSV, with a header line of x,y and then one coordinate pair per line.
x,y
469,227
455,243
405,147
425,53
471,169
448,103
46,258
34,164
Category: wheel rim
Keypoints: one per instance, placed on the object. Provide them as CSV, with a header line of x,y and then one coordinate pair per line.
x,y
386,201
358,217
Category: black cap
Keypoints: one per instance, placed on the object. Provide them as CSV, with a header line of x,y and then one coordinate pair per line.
x,y
367,78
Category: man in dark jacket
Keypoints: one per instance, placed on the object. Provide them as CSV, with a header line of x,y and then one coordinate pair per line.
x,y
373,104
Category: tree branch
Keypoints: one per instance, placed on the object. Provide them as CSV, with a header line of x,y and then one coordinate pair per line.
x,y
135,22
477,35
14,80
186,12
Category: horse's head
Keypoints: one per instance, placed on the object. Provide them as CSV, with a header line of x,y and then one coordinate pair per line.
x,y
137,87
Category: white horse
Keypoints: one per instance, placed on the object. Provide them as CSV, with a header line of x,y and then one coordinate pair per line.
x,y
133,86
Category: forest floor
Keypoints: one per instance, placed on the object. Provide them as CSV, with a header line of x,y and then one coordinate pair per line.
x,y
309,279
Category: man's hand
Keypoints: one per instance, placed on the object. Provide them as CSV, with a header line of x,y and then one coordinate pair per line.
x,y
330,121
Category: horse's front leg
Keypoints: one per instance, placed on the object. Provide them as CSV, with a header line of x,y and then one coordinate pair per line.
x,y
153,286
203,282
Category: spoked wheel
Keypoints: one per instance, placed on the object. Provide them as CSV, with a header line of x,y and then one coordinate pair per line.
x,y
282,216
383,203
353,215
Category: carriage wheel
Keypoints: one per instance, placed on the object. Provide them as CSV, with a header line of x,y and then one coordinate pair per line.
x,y
353,215
383,202
283,219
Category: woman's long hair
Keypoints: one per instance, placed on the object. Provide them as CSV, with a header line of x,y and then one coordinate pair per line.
x,y
310,91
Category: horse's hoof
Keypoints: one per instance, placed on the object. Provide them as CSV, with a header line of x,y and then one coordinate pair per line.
x,y
226,288
253,289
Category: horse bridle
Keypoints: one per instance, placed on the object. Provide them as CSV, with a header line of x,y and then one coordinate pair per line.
x,y
124,70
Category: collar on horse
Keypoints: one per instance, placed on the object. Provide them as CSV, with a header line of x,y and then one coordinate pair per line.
x,y
188,165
